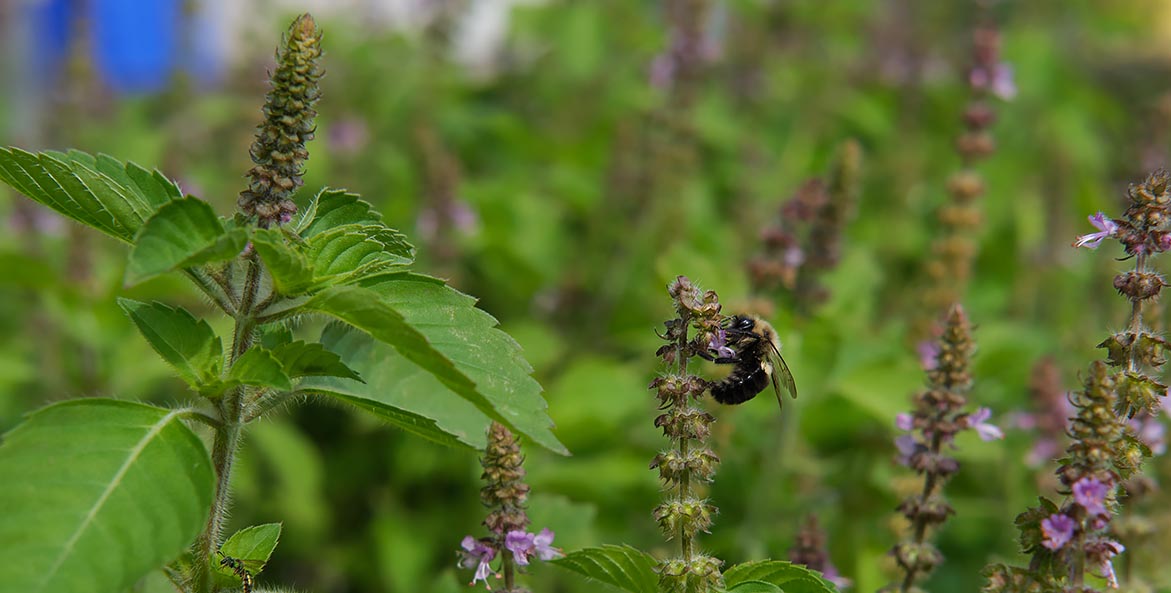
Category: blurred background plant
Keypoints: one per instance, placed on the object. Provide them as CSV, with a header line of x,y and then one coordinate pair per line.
x,y
538,148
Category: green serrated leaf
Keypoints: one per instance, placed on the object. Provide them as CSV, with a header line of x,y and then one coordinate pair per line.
x,y
302,359
440,330
622,567
354,249
260,367
290,269
398,391
97,493
755,587
186,343
72,185
252,545
791,578
335,207
182,234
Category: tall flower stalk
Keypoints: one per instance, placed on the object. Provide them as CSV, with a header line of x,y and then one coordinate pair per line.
x,y
954,250
505,493
1073,538
689,462
939,414
278,152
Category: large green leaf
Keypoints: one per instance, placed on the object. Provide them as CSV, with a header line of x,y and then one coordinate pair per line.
x,y
100,192
623,567
398,391
183,233
755,587
440,330
186,343
791,578
97,493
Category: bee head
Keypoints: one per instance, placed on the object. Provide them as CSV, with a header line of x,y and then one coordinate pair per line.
x,y
741,323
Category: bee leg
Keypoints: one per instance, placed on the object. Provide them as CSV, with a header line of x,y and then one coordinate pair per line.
x,y
719,359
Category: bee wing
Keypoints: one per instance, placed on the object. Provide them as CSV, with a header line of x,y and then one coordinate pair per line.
x,y
781,374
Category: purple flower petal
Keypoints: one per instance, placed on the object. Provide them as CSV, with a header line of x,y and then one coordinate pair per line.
x,y
904,421
1091,494
520,543
928,352
1106,226
543,543
907,447
986,431
1058,530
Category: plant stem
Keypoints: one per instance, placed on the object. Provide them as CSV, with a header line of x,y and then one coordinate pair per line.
x,y
1136,317
685,544
921,525
227,436
509,572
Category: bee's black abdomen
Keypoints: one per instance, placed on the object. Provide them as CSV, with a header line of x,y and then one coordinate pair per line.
x,y
742,385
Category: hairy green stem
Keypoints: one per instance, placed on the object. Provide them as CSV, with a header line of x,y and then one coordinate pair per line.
x,y
1136,318
227,436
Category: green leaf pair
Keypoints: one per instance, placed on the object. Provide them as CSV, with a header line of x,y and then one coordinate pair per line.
x,y
632,570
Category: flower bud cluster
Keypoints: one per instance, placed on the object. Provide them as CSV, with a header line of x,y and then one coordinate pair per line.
x,y
805,242
505,492
939,414
683,515
809,550
279,148
954,251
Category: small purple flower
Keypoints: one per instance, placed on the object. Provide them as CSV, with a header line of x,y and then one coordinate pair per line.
x,y
997,79
928,352
520,543
1106,226
1043,450
1003,82
478,554
832,575
1058,530
524,545
907,447
543,544
979,421
904,421
1101,552
719,344
1091,494
793,256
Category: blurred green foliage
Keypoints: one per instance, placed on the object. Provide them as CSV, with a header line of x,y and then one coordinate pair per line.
x,y
569,212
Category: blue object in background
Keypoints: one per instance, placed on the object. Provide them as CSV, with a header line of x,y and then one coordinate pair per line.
x,y
136,43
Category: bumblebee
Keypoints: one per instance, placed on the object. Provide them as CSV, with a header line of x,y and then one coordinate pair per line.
x,y
757,359
237,566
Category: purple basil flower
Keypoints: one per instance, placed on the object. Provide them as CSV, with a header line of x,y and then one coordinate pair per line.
x,y
904,421
832,575
1003,82
1106,226
979,421
524,545
543,544
1058,530
928,352
1100,552
719,345
1091,494
478,554
907,448
520,543
793,256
